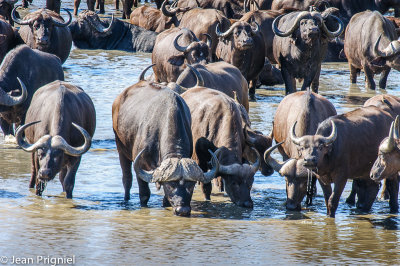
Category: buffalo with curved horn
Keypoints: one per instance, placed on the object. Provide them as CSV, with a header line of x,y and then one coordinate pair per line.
x,y
50,33
306,110
89,32
222,125
173,49
17,72
330,152
159,143
387,165
242,45
301,45
375,51
57,134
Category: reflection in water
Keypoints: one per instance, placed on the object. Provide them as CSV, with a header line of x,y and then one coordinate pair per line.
x,y
97,226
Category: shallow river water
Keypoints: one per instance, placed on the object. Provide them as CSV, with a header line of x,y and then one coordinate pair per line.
x,y
97,227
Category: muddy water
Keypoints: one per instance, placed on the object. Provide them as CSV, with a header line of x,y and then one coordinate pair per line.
x,y
98,227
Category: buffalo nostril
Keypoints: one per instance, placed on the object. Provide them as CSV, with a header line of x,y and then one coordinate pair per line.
x,y
182,211
45,173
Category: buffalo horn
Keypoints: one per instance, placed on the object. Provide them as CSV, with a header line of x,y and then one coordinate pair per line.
x,y
166,11
295,25
389,144
330,34
141,77
199,77
25,145
256,165
8,100
209,39
99,27
256,29
208,176
249,140
293,136
59,142
333,135
146,176
60,24
236,168
177,46
276,165
17,20
390,50
226,33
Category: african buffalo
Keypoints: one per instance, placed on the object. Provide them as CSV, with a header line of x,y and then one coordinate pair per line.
x,y
153,19
347,8
269,75
89,32
230,8
387,165
35,69
219,76
253,5
222,125
152,128
307,109
6,7
201,21
301,45
333,152
8,38
57,134
265,20
371,44
243,46
46,31
172,49
90,5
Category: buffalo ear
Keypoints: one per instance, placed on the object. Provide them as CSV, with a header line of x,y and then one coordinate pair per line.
x,y
176,60
201,148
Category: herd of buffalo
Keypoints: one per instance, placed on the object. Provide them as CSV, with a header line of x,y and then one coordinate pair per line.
x,y
188,123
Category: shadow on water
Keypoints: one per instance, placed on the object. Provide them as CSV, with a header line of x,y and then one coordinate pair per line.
x,y
387,223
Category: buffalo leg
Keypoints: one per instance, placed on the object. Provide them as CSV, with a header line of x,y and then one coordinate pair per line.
x,y
333,201
290,82
392,186
116,4
385,192
315,82
53,5
353,74
367,191
62,175
33,171
76,6
327,190
101,4
90,4
69,181
126,166
351,199
206,188
369,78
383,79
6,127
97,4
127,8
252,89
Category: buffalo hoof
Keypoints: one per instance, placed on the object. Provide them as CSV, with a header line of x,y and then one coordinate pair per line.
x,y
291,206
252,98
166,203
182,211
246,204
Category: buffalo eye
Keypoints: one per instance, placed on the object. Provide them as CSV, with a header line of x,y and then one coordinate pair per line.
x,y
40,153
321,146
